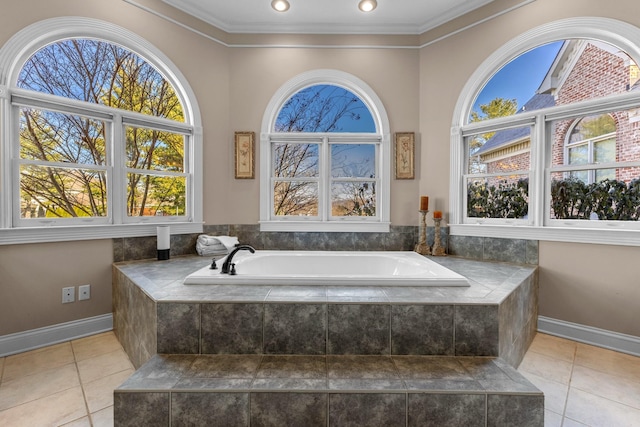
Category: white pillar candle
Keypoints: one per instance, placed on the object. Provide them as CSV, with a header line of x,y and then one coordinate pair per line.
x,y
164,242
164,237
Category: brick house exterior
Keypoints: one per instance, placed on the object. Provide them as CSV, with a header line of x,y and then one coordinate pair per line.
x,y
582,70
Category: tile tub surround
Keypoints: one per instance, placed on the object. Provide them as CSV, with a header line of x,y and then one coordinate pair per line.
x,y
326,390
325,355
155,313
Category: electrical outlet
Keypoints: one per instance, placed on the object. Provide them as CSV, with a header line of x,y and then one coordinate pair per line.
x,y
68,294
84,292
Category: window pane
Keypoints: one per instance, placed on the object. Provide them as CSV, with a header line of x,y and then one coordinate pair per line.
x,y
295,198
101,73
295,160
614,196
353,199
152,195
154,150
504,150
605,151
579,155
498,197
57,137
324,108
557,73
353,160
48,192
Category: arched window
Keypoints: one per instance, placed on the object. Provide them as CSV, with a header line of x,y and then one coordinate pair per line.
x,y
325,156
564,156
592,140
103,136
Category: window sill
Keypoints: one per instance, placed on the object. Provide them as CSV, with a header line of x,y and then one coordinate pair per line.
x,y
327,227
16,236
557,234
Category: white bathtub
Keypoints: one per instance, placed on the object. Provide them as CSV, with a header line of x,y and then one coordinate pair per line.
x,y
332,268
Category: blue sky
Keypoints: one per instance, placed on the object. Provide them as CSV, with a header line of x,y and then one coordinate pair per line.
x,y
521,77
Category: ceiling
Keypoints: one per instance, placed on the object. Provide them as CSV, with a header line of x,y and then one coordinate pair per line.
x,y
327,16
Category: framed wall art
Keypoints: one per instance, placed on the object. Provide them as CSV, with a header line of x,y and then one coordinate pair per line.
x,y
405,155
245,153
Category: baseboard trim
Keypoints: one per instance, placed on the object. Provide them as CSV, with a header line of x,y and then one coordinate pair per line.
x,y
42,337
628,344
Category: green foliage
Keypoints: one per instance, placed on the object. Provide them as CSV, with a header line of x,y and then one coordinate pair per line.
x,y
610,199
506,200
571,198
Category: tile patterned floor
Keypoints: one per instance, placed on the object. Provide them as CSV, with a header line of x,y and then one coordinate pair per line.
x,y
71,384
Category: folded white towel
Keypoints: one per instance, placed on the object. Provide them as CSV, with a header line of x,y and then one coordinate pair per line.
x,y
215,245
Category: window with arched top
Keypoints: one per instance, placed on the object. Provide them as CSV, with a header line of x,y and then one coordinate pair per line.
x,y
104,140
325,156
592,140
546,136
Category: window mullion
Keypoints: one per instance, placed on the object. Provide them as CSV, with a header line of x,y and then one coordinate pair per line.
x,y
325,181
537,153
117,184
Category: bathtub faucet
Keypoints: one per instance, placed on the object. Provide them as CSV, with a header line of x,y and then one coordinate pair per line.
x,y
227,262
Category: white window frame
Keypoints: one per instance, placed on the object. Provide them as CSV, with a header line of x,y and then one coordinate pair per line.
x,y
614,32
325,222
13,55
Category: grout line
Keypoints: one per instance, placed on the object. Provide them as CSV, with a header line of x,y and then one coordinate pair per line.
x,y
84,394
566,400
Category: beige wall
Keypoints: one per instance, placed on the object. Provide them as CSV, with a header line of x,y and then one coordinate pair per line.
x,y
419,89
32,277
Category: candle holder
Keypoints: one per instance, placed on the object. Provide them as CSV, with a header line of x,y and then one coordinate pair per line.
x,y
438,249
422,247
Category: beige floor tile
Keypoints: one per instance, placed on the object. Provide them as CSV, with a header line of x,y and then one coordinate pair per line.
x,y
614,388
103,365
103,418
551,419
55,410
568,422
597,411
609,361
25,389
1,367
99,393
555,394
82,422
36,361
95,345
558,348
546,367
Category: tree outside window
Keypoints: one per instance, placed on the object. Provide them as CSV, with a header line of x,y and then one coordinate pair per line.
x,y
324,167
67,146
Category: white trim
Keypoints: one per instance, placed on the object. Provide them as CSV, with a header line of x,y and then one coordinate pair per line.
x,y
403,31
381,120
49,335
516,230
623,343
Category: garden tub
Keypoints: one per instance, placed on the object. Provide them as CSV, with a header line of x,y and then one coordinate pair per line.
x,y
330,268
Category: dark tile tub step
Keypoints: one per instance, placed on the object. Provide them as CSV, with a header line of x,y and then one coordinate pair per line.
x,y
257,390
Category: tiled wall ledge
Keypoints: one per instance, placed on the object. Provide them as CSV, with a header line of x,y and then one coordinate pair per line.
x,y
400,238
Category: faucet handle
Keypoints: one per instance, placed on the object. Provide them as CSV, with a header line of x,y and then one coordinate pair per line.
x,y
213,264
233,269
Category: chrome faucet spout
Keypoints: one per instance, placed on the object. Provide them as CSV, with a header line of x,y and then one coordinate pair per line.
x,y
227,262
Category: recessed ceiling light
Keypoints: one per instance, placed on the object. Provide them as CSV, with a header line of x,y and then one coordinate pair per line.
x,y
280,5
367,5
